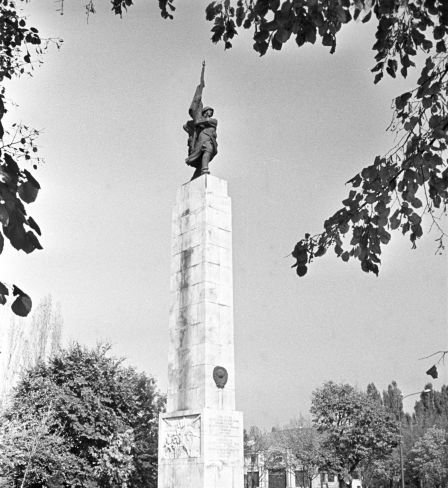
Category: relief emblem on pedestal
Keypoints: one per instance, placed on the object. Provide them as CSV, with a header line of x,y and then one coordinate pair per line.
x,y
182,437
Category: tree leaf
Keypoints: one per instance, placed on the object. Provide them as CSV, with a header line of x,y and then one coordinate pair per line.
x,y
321,250
401,101
32,223
28,192
3,289
22,305
378,77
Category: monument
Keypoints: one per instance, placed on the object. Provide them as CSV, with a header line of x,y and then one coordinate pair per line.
x,y
201,129
201,433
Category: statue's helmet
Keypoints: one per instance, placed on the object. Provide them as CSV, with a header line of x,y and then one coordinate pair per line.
x,y
207,108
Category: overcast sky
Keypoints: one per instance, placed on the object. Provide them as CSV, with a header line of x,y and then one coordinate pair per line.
x,y
294,126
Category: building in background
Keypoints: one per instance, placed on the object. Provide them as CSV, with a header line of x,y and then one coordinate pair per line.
x,y
272,460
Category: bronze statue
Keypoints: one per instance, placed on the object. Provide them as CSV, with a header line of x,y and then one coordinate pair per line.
x,y
201,129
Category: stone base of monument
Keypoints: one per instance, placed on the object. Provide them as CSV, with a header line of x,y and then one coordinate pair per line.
x,y
201,449
201,436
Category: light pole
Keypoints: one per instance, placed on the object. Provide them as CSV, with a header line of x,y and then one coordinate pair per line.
x,y
427,390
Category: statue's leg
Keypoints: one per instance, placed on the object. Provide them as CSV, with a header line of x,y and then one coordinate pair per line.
x,y
196,174
195,155
206,158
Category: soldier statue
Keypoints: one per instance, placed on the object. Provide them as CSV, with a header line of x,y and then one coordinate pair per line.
x,y
201,129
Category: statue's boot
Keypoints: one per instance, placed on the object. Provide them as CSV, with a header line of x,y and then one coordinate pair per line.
x,y
205,160
196,174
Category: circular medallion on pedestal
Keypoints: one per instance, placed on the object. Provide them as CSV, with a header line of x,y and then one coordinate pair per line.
x,y
220,376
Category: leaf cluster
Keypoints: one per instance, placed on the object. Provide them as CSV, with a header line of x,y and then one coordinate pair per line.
x,y
430,412
357,429
18,188
306,449
410,182
31,447
275,22
105,413
431,409
21,47
429,457
119,7
18,42
401,30
399,189
21,50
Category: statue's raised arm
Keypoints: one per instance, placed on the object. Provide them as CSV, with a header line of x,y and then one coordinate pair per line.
x,y
201,129
195,109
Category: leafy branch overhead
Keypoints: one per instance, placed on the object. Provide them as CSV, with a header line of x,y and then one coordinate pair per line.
x,y
395,192
21,47
21,50
410,182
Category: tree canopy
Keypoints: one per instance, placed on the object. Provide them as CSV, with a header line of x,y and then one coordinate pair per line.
x,y
93,418
357,434
358,430
429,457
306,450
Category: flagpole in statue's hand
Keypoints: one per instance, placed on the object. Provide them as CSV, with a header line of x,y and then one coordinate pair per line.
x,y
202,74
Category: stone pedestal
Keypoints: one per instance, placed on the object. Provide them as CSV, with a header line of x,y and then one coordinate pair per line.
x,y
201,435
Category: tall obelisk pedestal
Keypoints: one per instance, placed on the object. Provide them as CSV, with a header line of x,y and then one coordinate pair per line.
x,y
201,435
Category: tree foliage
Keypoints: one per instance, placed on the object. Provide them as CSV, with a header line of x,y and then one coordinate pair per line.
x,y
21,50
306,450
382,472
32,447
347,424
255,440
410,181
358,430
373,393
417,437
431,409
429,457
105,414
393,400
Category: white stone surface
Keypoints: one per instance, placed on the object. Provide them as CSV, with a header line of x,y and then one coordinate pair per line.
x,y
201,435
201,309
201,449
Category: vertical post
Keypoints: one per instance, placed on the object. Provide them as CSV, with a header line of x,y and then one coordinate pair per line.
x,y
401,453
